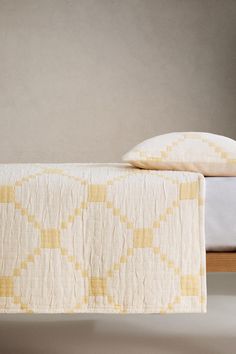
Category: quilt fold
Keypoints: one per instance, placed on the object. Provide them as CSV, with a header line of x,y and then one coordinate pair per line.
x,y
101,238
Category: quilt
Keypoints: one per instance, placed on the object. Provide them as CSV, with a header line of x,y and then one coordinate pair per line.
x,y
101,238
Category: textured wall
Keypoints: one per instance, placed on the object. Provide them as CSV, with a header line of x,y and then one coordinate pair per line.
x,y
85,80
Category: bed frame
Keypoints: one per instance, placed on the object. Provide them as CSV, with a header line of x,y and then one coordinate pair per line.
x,y
221,262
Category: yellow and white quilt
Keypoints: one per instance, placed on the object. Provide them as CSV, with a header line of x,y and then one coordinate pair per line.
x,y
104,238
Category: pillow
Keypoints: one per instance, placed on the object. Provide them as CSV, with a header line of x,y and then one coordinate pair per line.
x,y
209,154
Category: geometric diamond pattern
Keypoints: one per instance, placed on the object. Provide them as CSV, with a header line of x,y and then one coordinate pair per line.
x,y
209,154
87,261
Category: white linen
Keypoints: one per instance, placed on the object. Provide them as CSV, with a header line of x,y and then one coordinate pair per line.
x,y
220,213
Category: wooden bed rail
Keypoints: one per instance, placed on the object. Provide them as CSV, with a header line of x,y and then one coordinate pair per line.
x,y
221,261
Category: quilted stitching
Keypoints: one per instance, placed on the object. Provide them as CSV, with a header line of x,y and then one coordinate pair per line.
x,y
84,238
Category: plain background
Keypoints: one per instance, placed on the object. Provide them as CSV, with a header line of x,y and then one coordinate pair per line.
x,y
85,80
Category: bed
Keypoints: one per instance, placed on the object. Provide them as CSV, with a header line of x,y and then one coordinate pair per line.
x,y
211,155
221,224
111,236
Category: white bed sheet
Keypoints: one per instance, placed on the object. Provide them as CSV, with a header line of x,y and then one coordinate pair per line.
x,y
220,214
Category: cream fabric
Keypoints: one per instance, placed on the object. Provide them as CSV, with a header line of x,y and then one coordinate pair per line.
x,y
209,154
101,238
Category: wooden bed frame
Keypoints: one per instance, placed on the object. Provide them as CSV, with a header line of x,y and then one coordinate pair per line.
x,y
221,262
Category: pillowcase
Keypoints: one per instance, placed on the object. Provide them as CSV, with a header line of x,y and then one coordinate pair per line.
x,y
209,154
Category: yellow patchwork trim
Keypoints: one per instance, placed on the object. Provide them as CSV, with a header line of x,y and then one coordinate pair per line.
x,y
97,286
164,153
7,194
167,149
6,287
143,238
97,193
190,285
50,238
189,190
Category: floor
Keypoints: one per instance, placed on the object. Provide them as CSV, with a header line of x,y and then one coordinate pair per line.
x,y
213,333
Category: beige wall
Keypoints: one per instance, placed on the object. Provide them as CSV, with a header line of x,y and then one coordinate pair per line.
x,y
85,80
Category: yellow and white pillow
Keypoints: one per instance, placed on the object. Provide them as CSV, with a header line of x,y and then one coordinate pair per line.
x,y
209,154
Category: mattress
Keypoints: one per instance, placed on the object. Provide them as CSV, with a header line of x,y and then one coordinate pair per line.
x,y
220,214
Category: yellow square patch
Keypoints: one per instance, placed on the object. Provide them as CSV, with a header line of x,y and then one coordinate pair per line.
x,y
6,286
50,238
97,193
56,171
189,190
143,238
97,286
6,194
190,285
